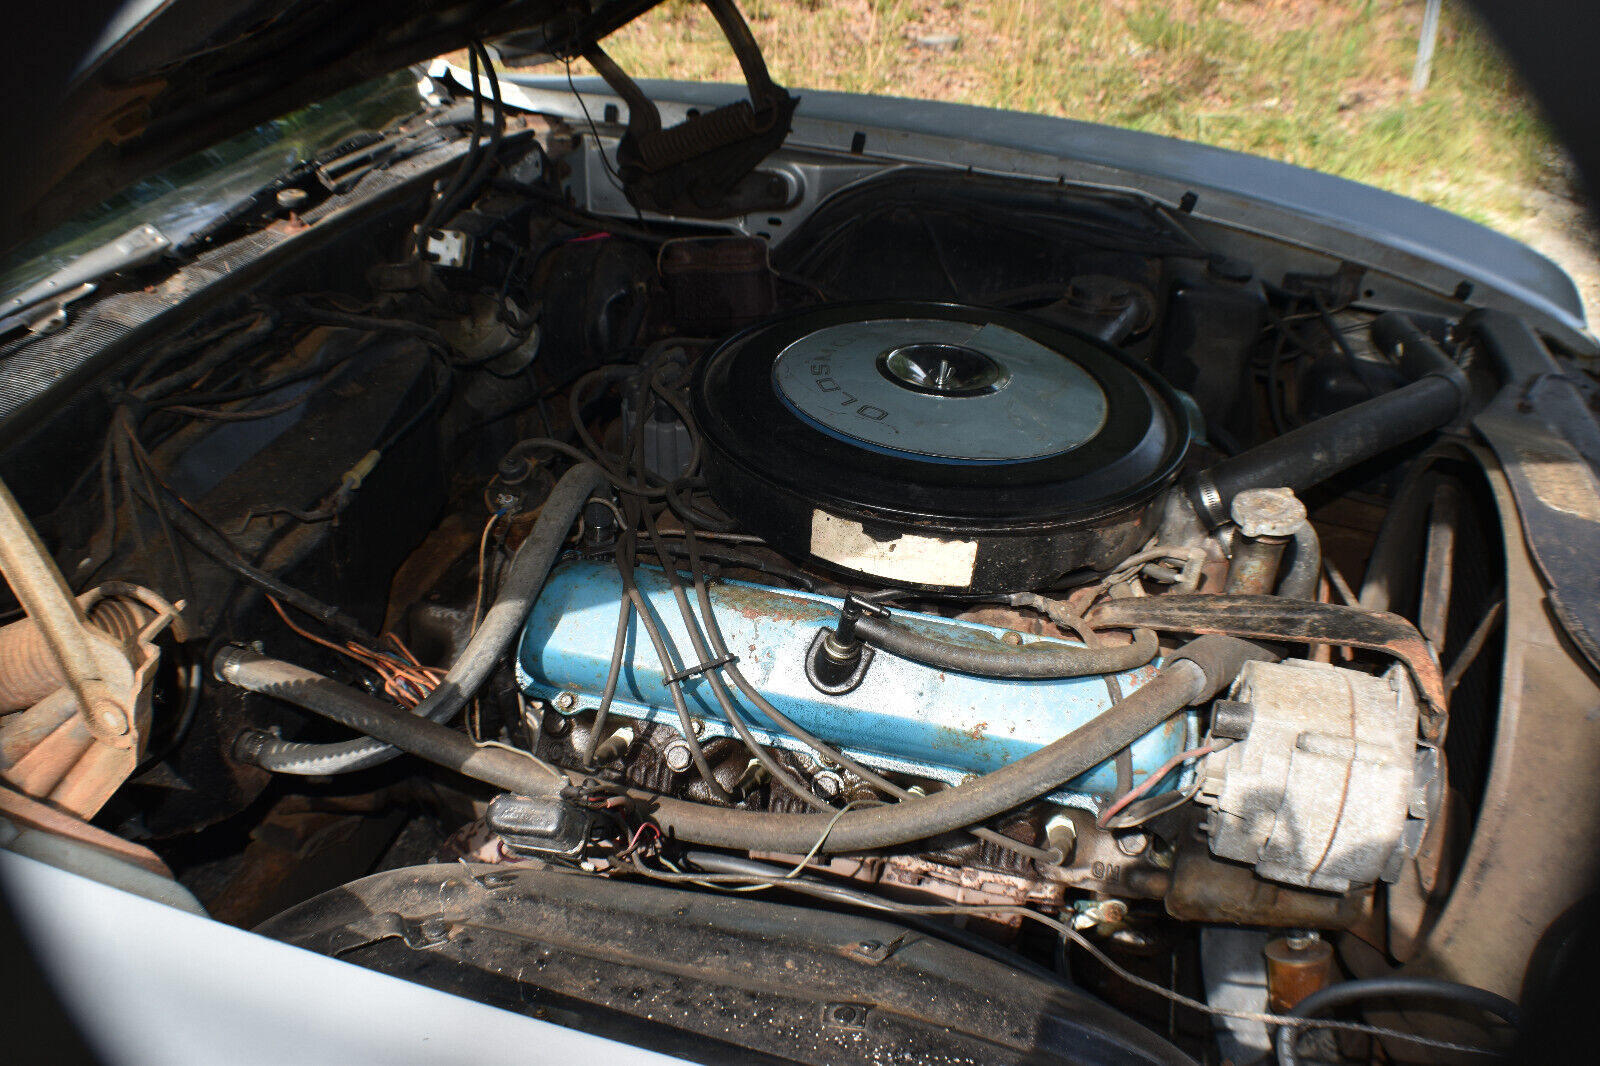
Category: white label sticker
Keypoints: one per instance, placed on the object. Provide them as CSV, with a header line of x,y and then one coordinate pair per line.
x,y
909,558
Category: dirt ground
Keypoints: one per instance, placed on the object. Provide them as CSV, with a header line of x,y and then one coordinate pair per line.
x,y
1558,225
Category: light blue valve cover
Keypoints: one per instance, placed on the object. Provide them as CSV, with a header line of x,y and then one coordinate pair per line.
x,y
904,717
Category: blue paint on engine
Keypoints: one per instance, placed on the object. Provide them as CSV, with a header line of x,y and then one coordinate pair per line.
x,y
904,717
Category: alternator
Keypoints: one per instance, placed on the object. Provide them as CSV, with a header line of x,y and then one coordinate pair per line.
x,y
1326,785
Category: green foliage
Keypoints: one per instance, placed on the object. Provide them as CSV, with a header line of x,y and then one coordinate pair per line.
x,y
1320,83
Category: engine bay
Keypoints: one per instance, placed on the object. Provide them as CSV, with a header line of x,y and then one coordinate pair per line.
x,y
984,555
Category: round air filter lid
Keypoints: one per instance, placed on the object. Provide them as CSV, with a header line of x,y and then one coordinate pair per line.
x,y
940,389
1033,449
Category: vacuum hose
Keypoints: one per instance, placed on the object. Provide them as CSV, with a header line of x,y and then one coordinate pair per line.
x,y
1037,661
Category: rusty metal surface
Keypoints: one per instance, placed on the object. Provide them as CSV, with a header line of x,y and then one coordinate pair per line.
x,y
77,743
425,566
90,663
915,877
25,811
1532,853
1205,889
1099,863
28,670
1255,565
1300,621
1296,967
1438,566
1558,511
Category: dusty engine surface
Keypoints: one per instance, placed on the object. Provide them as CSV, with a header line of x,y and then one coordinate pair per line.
x,y
976,550
920,506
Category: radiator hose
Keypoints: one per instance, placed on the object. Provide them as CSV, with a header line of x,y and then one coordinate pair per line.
x,y
524,578
1195,673
1437,395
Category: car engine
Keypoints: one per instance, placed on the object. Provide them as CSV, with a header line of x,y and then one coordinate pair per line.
x,y
971,551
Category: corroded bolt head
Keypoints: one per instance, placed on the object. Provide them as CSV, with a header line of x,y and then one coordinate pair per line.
x,y
565,701
1132,843
109,717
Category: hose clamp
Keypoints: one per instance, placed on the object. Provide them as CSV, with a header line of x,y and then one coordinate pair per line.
x,y
1207,500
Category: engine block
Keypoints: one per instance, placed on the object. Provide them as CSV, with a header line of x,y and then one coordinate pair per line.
x,y
904,717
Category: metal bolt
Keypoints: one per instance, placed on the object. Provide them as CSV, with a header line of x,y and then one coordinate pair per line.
x,y
1091,912
555,725
869,947
697,727
678,757
292,199
565,701
1011,638
110,717
505,501
829,784
1132,843
1062,833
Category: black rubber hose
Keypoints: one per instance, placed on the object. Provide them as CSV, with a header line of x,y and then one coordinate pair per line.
x,y
1037,661
1014,784
1300,582
1198,671
719,648
1183,682
1301,458
524,578
441,745
1390,987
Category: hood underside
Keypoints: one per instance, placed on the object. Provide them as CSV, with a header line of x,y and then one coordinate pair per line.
x,y
167,78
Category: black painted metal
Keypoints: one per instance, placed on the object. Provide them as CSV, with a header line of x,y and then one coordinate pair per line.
x,y
1032,521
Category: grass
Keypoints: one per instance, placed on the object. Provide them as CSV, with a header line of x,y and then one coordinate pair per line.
x,y
1321,83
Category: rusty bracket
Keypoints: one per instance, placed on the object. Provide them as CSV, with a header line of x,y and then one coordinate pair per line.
x,y
1299,621
105,684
